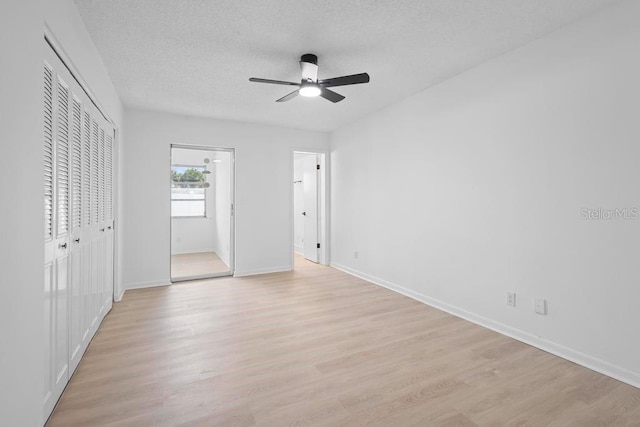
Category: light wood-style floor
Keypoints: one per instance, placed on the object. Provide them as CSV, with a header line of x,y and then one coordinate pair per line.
x,y
319,347
194,264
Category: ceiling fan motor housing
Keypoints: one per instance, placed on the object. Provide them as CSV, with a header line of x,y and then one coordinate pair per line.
x,y
309,67
310,58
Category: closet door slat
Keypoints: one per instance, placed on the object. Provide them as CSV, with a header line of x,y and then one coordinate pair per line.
x,y
95,216
101,178
86,169
62,159
48,153
109,178
76,164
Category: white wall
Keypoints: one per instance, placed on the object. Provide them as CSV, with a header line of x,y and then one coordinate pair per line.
x,y
22,254
475,187
263,190
22,251
191,235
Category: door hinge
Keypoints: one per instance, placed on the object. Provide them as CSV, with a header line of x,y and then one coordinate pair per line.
x,y
318,167
318,245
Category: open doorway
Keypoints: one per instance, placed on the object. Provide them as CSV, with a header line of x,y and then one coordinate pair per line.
x,y
201,212
309,207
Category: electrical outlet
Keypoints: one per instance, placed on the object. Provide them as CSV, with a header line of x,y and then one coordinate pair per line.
x,y
355,254
541,306
511,299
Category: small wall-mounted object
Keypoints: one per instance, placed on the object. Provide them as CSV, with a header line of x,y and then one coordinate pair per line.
x,y
541,306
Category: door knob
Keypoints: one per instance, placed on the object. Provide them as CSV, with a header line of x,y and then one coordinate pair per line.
x,y
304,213
62,246
77,240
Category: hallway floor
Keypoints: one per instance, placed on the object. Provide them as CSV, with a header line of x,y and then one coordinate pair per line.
x,y
194,264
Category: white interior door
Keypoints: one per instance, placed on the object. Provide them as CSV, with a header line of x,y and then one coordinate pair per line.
x,y
310,201
56,209
76,248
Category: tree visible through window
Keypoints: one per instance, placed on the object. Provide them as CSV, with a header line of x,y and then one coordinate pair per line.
x,y
188,195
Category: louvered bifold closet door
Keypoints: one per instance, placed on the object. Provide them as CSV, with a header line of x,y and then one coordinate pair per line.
x,y
78,146
87,314
57,113
49,244
108,209
96,234
102,244
61,356
76,321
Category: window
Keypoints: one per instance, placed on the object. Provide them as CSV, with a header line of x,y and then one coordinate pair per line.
x,y
188,195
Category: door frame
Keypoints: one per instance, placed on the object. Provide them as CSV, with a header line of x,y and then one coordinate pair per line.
x,y
324,200
232,198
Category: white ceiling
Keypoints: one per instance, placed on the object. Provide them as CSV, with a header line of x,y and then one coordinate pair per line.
x,y
195,56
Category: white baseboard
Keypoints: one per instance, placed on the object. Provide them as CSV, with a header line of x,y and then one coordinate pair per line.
x,y
242,273
193,251
119,297
224,259
593,363
142,285
299,249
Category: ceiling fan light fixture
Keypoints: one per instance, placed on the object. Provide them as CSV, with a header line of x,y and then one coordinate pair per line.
x,y
310,86
310,90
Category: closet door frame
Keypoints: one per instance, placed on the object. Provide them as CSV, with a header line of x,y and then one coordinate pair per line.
x,y
71,317
57,48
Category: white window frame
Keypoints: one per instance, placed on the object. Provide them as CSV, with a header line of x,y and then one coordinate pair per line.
x,y
201,168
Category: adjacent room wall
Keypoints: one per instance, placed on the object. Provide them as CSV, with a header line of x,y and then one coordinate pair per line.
x,y
298,202
477,187
223,185
262,182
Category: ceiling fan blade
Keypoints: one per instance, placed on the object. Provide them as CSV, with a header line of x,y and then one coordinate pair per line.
x,y
288,97
330,95
275,82
353,79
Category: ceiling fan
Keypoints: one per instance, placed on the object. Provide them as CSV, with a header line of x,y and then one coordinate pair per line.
x,y
310,85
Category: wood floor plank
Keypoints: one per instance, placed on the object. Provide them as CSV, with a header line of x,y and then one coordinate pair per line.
x,y
316,346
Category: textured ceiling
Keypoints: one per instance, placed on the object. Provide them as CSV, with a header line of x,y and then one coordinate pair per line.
x,y
195,57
